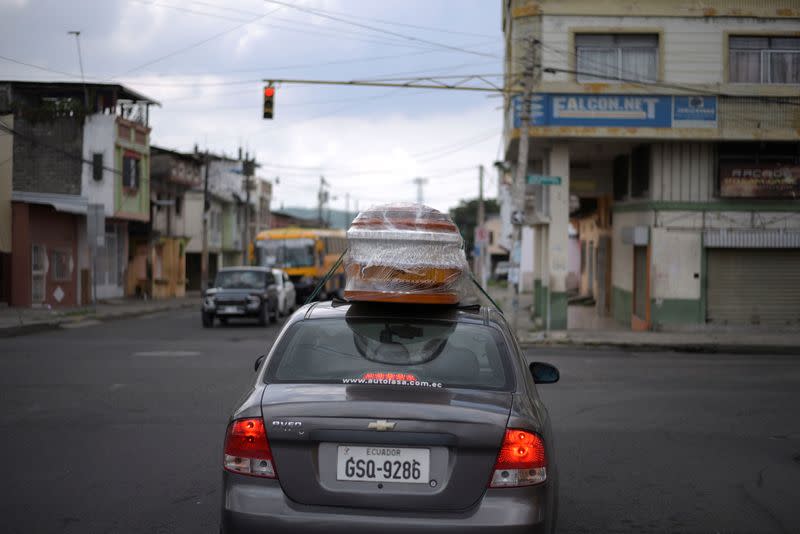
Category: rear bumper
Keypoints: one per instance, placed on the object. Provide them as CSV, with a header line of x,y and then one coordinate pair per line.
x,y
259,505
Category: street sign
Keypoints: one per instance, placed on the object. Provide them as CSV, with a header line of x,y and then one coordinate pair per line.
x,y
538,179
481,234
517,217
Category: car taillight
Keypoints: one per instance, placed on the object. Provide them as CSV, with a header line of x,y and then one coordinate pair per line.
x,y
247,449
521,460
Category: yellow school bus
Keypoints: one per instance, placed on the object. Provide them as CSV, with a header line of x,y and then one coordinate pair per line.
x,y
306,254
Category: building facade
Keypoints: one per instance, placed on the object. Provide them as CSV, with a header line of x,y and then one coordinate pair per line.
x,y
680,122
173,174
72,146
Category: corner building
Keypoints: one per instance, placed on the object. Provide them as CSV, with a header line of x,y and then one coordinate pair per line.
x,y
675,126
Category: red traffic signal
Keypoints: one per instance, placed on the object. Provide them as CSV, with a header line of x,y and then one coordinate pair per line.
x,y
269,95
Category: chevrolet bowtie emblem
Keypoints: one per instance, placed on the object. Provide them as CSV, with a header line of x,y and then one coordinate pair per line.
x,y
381,425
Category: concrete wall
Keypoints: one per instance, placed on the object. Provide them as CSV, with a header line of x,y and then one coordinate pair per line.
x,y
38,167
6,174
675,277
622,264
55,231
193,210
98,137
692,48
193,214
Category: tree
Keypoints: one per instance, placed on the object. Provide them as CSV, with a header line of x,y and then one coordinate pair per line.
x,y
465,215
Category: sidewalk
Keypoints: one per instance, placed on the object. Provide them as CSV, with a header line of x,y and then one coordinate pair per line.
x,y
589,330
21,321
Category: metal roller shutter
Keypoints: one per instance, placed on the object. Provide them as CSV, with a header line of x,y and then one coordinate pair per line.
x,y
754,286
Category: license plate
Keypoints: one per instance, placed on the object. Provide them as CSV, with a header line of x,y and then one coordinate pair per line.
x,y
383,464
230,309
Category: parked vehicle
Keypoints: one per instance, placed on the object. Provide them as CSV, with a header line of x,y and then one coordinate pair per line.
x,y
241,292
369,417
287,299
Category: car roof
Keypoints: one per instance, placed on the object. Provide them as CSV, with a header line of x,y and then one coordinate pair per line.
x,y
339,308
246,268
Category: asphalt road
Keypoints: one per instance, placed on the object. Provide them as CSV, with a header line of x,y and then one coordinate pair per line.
x,y
118,427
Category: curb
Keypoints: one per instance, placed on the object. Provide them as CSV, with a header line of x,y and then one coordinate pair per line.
x,y
696,348
44,326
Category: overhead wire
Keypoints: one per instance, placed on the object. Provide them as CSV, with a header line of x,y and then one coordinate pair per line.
x,y
380,30
194,45
351,35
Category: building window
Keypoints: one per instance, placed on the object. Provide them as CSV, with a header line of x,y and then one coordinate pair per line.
x,y
764,59
130,172
97,166
178,204
60,261
38,268
617,57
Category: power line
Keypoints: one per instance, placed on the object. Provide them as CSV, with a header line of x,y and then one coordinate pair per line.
x,y
380,30
328,63
459,148
38,67
194,45
380,21
324,33
448,146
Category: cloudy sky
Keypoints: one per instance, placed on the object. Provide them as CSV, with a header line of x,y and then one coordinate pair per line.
x,y
204,61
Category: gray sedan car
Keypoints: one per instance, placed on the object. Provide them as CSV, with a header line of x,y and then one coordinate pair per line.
x,y
392,418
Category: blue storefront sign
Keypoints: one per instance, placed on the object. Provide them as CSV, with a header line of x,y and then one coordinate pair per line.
x,y
626,111
694,111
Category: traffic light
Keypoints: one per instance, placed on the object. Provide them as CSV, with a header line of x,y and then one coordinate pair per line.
x,y
269,95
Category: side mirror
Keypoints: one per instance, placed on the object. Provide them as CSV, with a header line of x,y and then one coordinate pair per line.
x,y
260,360
544,373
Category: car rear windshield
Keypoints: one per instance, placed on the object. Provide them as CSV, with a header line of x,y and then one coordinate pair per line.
x,y
392,352
243,279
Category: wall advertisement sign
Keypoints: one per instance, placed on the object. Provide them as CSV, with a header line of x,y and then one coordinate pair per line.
x,y
759,180
623,111
694,111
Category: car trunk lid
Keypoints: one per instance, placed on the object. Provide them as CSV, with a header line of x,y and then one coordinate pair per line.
x,y
460,429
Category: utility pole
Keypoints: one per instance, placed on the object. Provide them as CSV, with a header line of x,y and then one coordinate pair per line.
x,y
247,171
518,185
420,182
204,253
77,35
321,199
482,248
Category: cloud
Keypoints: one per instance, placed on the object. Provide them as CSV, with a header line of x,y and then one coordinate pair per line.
x,y
211,91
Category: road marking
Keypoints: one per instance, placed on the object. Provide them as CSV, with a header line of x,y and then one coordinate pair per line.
x,y
168,353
